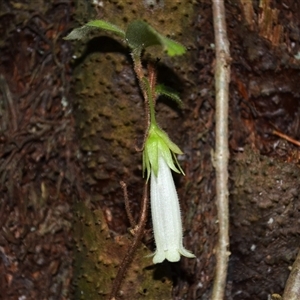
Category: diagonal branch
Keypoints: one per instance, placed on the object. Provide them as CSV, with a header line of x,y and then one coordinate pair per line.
x,y
222,79
139,231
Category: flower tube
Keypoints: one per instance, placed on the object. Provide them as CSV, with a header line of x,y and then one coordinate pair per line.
x,y
166,219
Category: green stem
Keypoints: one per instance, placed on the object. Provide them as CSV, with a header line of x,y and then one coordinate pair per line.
x,y
138,69
149,91
152,110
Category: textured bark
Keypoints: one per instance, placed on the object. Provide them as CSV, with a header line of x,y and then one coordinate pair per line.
x,y
46,167
109,114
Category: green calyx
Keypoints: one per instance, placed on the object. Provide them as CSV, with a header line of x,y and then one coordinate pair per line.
x,y
158,144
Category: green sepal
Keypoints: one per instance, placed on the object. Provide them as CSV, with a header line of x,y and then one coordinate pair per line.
x,y
146,164
159,143
81,32
165,138
168,92
140,35
151,154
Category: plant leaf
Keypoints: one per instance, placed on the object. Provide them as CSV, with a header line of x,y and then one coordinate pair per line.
x,y
81,32
78,33
140,35
173,48
168,92
107,26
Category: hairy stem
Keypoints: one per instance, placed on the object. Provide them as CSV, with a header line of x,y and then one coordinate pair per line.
x,y
222,79
138,69
127,206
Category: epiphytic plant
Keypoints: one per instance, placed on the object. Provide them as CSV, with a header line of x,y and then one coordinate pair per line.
x,y
159,152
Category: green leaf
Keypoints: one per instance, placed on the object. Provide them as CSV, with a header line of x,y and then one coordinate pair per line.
x,y
140,35
81,32
173,48
78,33
107,26
168,92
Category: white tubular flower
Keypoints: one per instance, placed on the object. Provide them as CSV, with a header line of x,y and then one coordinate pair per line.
x,y
166,216
165,210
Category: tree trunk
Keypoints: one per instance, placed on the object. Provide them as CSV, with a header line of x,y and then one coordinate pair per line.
x,y
63,154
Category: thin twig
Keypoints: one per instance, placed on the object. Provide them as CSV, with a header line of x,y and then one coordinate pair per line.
x,y
292,287
127,207
131,251
286,137
222,78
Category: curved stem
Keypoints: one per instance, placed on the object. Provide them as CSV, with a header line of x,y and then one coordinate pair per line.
x,y
127,206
